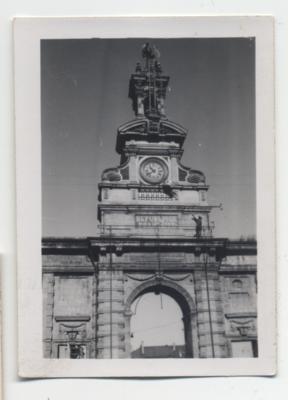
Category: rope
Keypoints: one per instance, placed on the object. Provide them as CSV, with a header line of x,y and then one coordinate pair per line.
x,y
209,309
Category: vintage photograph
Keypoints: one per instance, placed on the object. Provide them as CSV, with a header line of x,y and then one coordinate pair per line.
x,y
149,245
1,333
146,206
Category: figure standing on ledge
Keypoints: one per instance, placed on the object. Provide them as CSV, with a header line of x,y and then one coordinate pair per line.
x,y
198,229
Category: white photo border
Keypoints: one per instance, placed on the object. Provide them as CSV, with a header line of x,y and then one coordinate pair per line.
x,y
28,33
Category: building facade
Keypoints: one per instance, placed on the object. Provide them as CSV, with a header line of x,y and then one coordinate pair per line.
x,y
154,235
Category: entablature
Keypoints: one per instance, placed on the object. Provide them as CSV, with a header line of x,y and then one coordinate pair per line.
x,y
140,185
94,246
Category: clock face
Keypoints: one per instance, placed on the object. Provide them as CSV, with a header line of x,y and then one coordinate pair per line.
x,y
153,170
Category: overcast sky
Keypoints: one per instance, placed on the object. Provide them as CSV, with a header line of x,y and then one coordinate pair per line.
x,y
85,98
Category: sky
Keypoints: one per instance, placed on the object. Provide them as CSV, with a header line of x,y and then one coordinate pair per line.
x,y
163,326
84,97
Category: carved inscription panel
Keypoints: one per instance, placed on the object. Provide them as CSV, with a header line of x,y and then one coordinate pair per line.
x,y
156,220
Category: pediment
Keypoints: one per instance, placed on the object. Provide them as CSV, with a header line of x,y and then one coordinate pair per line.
x,y
144,125
169,127
150,130
137,125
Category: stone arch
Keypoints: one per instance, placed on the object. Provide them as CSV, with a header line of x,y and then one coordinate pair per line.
x,y
182,298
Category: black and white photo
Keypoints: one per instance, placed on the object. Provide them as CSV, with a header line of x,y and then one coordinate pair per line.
x,y
150,228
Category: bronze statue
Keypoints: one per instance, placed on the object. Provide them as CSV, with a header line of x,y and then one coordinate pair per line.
x,y
198,221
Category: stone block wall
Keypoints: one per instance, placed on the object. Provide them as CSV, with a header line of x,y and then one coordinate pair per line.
x,y
87,306
239,298
69,307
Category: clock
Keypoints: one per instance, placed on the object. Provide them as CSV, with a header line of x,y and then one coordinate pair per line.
x,y
153,170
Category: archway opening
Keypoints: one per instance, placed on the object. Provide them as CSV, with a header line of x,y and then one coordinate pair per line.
x,y
157,327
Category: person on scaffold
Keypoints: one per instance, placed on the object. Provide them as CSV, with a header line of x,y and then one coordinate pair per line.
x,y
198,228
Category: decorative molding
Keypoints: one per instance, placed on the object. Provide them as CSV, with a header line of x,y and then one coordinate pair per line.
x,y
134,278
189,175
241,315
182,278
72,318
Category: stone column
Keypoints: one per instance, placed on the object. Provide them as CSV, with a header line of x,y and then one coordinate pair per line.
x,y
133,167
110,314
93,349
174,168
48,314
210,319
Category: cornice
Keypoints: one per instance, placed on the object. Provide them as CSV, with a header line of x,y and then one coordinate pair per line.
x,y
137,185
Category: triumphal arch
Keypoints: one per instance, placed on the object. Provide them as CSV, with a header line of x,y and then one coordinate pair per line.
x,y
154,235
